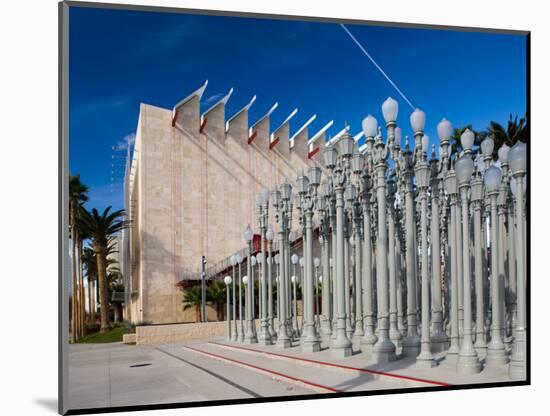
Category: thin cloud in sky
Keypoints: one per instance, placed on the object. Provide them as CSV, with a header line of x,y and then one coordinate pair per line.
x,y
213,98
129,139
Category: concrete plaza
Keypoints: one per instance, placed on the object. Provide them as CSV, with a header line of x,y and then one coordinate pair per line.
x,y
105,375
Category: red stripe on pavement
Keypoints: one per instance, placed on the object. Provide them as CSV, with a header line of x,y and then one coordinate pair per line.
x,y
263,369
381,373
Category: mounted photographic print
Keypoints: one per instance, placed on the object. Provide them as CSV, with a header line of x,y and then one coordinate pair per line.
x,y
267,208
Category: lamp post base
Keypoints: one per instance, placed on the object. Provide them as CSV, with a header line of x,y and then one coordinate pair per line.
x,y
468,365
439,342
341,352
311,346
496,357
425,360
383,351
411,344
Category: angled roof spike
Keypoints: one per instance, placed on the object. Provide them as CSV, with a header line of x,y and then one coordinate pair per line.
x,y
357,137
271,110
245,108
363,148
221,101
320,132
301,129
284,122
338,135
198,93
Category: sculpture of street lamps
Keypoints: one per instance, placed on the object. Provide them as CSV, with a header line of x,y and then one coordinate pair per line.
x,y
295,280
227,280
496,352
518,165
468,362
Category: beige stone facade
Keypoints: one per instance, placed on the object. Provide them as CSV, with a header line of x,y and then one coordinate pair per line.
x,y
191,193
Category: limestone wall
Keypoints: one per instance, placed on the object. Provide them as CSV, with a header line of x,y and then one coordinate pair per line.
x,y
193,193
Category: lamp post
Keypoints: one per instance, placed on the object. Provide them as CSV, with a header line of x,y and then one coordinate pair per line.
x,y
252,277
451,188
250,336
384,349
317,263
411,343
269,235
518,164
496,353
439,337
281,203
233,262
294,280
277,260
240,259
468,362
425,359
307,188
477,202
323,214
395,335
227,280
262,202
368,340
341,345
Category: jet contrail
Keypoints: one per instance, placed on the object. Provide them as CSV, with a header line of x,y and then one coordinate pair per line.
x,y
376,65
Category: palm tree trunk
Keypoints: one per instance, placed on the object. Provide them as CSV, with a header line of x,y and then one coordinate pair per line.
x,y
82,293
74,288
103,293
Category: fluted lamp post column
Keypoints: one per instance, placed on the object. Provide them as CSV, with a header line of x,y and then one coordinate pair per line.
x,y
476,191
240,259
250,336
518,165
269,235
233,262
357,167
451,188
227,280
496,352
422,170
280,201
307,190
370,126
322,208
341,345
264,337
439,336
468,362
384,349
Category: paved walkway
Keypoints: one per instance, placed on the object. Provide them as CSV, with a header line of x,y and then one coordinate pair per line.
x,y
104,375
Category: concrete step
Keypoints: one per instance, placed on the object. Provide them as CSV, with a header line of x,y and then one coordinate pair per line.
x,y
316,375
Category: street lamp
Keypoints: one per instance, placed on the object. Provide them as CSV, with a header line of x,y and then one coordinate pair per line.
x,y
316,263
468,362
295,280
425,359
233,262
270,235
227,280
518,165
250,336
341,345
496,353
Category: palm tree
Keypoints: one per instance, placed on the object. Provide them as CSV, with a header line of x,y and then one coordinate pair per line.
x,y
193,299
102,229
90,265
515,131
78,194
216,292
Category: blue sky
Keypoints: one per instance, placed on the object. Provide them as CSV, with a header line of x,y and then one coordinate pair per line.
x,y
121,58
